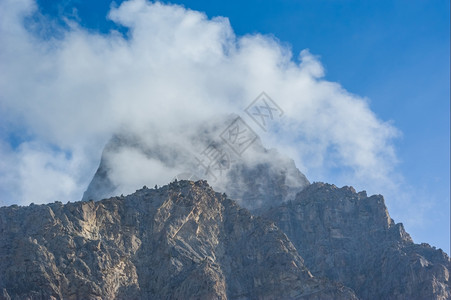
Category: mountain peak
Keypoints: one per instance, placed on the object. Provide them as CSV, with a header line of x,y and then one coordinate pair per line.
x,y
258,178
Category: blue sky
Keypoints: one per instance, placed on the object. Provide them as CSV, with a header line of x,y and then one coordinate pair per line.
x,y
395,54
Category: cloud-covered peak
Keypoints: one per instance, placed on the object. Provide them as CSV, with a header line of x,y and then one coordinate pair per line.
x,y
174,69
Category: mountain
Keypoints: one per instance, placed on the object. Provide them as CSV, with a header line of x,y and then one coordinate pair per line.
x,y
181,241
274,236
350,238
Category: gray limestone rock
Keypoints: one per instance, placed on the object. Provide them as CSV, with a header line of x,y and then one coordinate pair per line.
x,y
349,237
182,241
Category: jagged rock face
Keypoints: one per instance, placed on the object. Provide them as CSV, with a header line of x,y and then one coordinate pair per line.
x,y
257,179
182,241
349,237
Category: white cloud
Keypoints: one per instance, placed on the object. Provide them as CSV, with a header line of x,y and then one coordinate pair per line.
x,y
36,173
176,69
131,169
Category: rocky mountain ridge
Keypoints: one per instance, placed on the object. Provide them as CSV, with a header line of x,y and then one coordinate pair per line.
x,y
182,241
